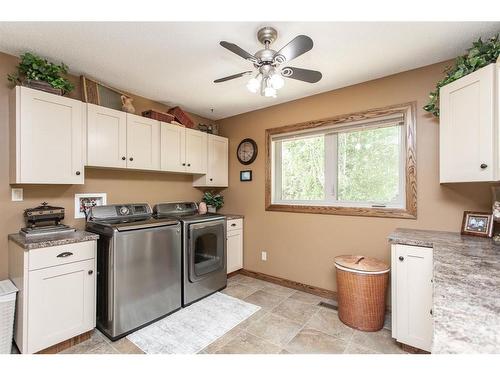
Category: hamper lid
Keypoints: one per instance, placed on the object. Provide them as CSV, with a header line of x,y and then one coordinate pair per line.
x,y
361,263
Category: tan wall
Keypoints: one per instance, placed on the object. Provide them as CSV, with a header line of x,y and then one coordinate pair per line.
x,y
120,185
301,247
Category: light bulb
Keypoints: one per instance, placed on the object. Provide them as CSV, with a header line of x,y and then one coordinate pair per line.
x,y
270,92
277,81
253,85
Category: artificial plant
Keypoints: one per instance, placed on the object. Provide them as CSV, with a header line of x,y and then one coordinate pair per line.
x,y
479,55
33,67
215,200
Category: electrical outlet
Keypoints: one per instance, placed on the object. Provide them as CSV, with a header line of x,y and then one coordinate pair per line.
x,y
264,255
16,194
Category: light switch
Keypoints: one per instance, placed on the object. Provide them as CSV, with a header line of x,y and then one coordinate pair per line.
x,y
17,194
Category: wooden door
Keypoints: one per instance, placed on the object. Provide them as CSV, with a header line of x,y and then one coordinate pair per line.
x,y
466,128
412,295
50,138
143,143
61,303
106,137
196,151
173,148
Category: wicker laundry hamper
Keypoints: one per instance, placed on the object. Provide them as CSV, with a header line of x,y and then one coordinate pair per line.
x,y
361,291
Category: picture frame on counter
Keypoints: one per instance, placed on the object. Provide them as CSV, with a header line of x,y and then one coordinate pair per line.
x,y
478,224
246,176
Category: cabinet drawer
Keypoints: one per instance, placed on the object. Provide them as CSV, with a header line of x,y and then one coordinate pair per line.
x,y
234,224
57,255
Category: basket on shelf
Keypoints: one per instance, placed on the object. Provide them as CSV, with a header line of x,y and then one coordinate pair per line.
x,y
157,115
181,116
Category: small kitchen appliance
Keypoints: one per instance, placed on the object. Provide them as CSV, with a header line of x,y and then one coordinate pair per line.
x,y
44,220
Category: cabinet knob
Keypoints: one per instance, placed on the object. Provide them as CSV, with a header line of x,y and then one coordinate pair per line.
x,y
78,173
124,158
211,179
189,165
401,258
183,164
90,272
484,166
131,159
431,311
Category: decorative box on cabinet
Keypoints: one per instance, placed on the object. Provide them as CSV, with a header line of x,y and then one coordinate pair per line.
x,y
234,245
411,290
57,293
469,127
47,138
217,168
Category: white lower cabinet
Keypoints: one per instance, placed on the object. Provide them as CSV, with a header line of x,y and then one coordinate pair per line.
x,y
412,295
57,293
234,245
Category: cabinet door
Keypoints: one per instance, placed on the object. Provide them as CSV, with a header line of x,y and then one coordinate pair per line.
x,y
234,250
412,295
466,128
106,137
196,151
50,138
143,143
61,303
217,160
173,148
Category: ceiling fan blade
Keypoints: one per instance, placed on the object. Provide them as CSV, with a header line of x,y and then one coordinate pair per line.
x,y
306,75
233,76
239,51
297,46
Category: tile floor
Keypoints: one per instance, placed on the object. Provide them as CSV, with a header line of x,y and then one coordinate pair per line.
x,y
289,322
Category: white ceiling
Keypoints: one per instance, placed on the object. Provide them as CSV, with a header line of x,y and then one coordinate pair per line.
x,y
176,62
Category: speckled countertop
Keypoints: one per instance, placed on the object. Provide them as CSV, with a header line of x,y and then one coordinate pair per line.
x,y
233,216
52,240
466,300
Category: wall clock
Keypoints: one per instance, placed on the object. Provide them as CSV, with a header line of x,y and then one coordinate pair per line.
x,y
247,151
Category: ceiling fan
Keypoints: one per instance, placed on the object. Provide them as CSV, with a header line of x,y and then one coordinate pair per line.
x,y
269,77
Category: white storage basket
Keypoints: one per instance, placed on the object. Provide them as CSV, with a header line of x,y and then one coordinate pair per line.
x,y
7,307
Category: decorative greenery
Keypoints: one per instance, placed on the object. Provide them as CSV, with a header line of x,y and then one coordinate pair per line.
x,y
479,55
33,67
215,200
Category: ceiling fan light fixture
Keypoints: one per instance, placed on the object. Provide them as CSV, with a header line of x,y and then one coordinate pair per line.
x,y
277,82
270,92
253,84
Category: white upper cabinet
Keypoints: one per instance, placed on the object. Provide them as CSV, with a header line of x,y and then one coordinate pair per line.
x,y
47,138
143,143
217,156
469,127
173,148
196,151
106,137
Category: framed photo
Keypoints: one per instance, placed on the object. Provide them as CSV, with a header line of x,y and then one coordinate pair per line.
x,y
245,176
477,224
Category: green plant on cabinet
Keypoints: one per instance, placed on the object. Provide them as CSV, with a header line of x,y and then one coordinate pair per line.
x,y
215,200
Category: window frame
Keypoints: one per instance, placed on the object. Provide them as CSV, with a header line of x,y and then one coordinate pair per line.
x,y
407,207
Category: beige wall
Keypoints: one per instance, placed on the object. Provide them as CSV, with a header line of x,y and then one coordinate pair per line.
x,y
301,247
120,185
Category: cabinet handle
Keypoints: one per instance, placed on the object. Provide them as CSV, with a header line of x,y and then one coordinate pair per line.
x,y
90,272
401,259
431,311
124,158
183,164
131,159
65,254
484,166
189,165
233,225
211,179
78,173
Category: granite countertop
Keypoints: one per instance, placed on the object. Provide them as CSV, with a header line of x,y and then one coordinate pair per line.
x,y
52,240
233,216
466,299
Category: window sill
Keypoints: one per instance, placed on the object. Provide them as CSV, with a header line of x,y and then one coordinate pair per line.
x,y
346,211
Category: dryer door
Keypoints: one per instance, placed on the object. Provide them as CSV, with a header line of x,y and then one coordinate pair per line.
x,y
206,248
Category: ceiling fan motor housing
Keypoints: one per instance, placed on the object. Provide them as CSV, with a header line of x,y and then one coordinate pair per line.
x,y
267,35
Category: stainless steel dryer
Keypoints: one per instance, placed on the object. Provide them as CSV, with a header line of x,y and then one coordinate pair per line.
x,y
204,249
139,267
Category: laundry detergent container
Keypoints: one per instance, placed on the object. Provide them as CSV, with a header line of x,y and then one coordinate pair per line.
x,y
361,291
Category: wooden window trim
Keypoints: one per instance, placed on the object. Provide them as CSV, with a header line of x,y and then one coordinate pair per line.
x,y
408,111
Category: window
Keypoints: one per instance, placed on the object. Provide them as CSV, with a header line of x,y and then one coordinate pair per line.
x,y
363,167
